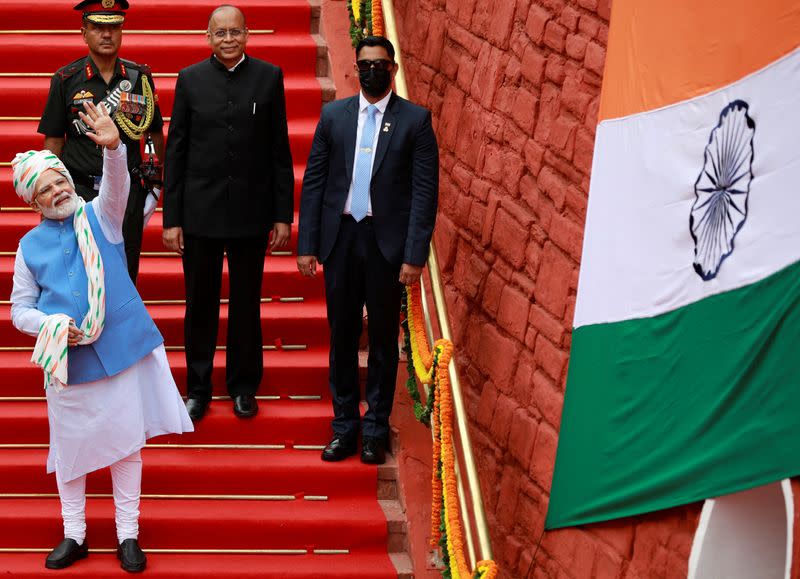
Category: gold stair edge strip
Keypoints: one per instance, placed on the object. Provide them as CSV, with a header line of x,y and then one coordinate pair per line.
x,y
271,498
28,446
163,254
284,300
221,446
174,32
197,551
289,300
166,119
267,348
266,398
49,74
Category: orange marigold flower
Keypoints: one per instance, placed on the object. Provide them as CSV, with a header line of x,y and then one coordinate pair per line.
x,y
444,484
377,17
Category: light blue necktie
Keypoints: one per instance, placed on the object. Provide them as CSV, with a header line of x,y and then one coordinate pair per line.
x,y
363,170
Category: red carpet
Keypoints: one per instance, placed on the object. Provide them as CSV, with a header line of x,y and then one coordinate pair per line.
x,y
236,498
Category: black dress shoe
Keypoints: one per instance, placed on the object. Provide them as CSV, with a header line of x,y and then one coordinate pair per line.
x,y
196,408
245,406
131,556
373,450
339,449
66,553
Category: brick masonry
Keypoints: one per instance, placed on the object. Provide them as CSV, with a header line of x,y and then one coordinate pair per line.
x,y
514,88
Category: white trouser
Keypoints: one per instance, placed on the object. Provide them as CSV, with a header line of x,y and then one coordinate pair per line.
x,y
126,479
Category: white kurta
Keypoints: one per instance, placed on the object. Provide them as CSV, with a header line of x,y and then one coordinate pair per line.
x,y
95,424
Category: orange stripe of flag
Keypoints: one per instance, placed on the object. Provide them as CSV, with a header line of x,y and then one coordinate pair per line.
x,y
665,51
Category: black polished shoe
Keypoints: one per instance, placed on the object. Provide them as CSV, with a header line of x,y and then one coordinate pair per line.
x,y
196,408
66,553
245,406
131,556
339,449
373,450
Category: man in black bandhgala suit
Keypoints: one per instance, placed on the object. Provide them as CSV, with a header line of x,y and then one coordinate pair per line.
x,y
229,182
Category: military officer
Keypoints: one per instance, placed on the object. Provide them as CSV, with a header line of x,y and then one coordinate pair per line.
x,y
128,91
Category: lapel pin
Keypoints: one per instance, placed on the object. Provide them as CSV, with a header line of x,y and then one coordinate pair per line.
x,y
386,127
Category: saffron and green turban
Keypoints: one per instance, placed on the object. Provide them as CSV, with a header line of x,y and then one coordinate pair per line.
x,y
29,166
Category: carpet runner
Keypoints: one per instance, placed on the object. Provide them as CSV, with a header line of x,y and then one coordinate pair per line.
x,y
237,498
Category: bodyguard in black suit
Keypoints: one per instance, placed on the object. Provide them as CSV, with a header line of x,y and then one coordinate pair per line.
x,y
367,213
228,182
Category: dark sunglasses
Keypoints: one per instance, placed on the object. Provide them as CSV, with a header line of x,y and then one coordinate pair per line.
x,y
379,64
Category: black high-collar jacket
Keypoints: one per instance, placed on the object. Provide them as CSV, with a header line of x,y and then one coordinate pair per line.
x,y
228,168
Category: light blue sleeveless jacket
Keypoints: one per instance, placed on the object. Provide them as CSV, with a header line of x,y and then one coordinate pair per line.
x,y
52,255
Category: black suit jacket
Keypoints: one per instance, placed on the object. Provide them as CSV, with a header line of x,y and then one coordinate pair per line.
x,y
228,167
404,187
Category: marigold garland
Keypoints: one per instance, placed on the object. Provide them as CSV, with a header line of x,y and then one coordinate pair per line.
x,y
455,533
357,9
366,19
431,367
486,569
420,351
437,514
377,18
422,412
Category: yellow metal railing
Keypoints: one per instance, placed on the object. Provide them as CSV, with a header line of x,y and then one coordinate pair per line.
x,y
471,500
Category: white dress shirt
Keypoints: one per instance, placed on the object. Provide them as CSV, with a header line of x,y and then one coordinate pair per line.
x,y
363,104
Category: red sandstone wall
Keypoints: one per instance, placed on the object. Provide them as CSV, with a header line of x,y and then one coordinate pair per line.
x,y
514,86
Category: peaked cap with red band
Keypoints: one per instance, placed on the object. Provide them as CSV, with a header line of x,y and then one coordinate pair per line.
x,y
103,11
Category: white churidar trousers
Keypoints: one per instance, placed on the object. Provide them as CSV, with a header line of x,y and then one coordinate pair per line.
x,y
126,480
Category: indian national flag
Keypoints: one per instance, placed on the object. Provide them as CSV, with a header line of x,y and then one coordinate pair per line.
x,y
684,376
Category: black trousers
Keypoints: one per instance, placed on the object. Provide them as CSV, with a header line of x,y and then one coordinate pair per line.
x,y
356,273
132,224
202,271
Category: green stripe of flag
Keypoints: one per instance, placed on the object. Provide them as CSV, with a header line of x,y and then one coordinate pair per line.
x,y
695,403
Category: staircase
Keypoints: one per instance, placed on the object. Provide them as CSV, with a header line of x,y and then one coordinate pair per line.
x,y
237,498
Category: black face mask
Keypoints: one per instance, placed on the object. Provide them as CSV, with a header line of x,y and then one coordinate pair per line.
x,y
375,82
